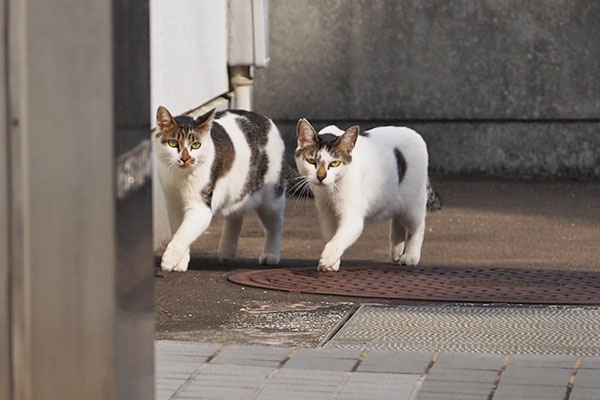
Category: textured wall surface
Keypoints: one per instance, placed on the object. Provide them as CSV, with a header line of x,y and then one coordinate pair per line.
x,y
486,66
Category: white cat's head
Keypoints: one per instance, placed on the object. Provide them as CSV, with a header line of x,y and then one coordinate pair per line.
x,y
324,158
182,141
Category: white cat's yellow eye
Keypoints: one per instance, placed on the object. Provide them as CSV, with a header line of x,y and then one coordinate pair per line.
x,y
311,161
196,145
334,164
172,143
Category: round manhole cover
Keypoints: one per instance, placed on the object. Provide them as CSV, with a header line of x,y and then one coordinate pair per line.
x,y
489,285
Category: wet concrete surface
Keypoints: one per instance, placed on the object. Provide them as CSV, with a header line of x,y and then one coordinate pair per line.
x,y
482,224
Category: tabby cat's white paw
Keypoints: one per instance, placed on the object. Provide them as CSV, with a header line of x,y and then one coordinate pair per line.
x,y
183,264
409,259
171,258
268,259
331,268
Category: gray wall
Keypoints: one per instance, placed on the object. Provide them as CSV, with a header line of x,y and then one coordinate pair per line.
x,y
495,87
76,273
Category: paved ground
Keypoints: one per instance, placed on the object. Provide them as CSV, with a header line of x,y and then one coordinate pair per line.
x,y
483,223
228,372
488,224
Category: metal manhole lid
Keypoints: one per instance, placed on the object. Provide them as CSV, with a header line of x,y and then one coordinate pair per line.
x,y
487,285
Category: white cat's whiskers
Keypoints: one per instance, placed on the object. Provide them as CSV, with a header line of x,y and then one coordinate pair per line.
x,y
302,189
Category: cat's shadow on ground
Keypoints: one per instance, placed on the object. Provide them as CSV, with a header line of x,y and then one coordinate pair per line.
x,y
212,263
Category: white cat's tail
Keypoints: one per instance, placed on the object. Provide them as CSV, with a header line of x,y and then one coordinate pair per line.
x,y
434,200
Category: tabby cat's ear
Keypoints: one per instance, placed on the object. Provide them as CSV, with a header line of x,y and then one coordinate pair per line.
x,y
306,133
205,119
347,141
164,119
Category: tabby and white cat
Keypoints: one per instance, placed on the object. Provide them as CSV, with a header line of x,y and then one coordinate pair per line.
x,y
225,164
367,177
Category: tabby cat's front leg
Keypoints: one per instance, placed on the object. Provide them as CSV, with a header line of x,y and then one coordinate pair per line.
x,y
195,221
348,231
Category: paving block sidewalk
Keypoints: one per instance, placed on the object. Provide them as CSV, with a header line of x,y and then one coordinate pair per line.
x,y
192,370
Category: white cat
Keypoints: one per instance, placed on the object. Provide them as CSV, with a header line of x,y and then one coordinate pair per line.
x,y
365,178
220,164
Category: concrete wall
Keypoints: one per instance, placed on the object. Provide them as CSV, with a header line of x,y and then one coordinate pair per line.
x,y
496,87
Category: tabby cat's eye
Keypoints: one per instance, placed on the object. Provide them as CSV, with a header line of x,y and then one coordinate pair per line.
x,y
311,161
335,164
172,143
196,145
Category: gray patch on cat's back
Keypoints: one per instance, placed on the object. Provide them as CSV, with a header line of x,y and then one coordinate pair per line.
x,y
223,161
400,164
364,133
256,129
279,188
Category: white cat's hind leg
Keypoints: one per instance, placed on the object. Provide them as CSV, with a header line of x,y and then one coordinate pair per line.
x,y
229,237
397,239
414,243
271,217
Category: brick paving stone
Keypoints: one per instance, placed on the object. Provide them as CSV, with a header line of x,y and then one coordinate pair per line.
x,y
189,348
590,363
176,367
547,361
457,387
324,359
260,356
413,362
468,361
508,391
584,393
464,375
163,394
168,384
376,386
540,376
588,378
450,396
300,377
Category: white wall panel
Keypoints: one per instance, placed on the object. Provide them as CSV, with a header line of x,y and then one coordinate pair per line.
x,y
188,53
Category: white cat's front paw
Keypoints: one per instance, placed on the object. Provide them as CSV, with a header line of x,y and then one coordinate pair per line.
x,y
268,259
171,257
182,265
330,258
331,268
409,259
396,252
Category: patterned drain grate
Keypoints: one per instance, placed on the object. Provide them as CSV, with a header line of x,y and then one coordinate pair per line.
x,y
498,330
487,285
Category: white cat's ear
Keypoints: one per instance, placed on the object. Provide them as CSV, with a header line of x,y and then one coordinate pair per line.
x,y
164,119
305,132
205,119
347,141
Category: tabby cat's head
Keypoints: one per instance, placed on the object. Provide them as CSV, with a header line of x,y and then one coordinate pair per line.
x,y
324,158
182,139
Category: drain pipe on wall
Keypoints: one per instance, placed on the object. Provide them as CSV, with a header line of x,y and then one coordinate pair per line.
x,y
248,46
242,87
